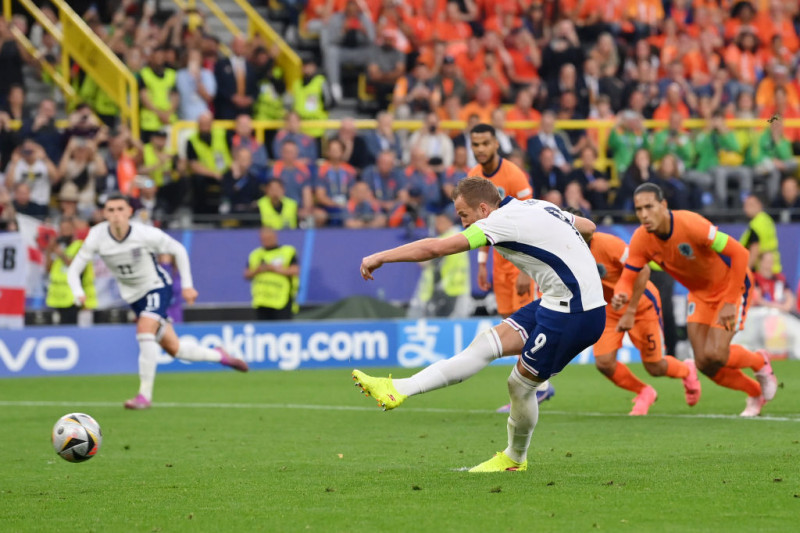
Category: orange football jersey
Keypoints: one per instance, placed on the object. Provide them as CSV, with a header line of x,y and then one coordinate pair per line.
x,y
611,252
685,254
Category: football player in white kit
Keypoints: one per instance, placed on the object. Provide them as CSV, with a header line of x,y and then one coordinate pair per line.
x,y
545,243
129,251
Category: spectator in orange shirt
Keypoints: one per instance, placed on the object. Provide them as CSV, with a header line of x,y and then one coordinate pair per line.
x,y
645,16
743,14
482,105
778,21
778,77
471,61
523,110
776,51
452,29
742,58
525,59
673,102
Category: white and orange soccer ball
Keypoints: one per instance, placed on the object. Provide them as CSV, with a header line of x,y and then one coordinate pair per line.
x,y
77,437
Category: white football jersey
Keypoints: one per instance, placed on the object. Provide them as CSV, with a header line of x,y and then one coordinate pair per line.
x,y
541,241
132,261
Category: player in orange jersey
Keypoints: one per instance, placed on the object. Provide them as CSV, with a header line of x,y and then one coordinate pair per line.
x,y
713,267
512,288
644,325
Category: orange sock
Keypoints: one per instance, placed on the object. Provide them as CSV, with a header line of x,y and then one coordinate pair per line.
x,y
735,379
741,357
676,368
625,379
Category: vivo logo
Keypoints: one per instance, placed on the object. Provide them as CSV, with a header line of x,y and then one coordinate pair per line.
x,y
55,354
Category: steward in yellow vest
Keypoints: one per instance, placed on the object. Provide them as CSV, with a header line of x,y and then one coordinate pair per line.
x,y
157,162
277,210
309,97
99,101
273,271
209,158
156,84
444,287
59,295
269,104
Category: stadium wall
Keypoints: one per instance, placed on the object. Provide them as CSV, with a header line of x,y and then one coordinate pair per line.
x,y
51,351
329,261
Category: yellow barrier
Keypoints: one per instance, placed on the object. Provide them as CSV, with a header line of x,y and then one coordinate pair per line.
x,y
80,43
288,60
603,128
60,81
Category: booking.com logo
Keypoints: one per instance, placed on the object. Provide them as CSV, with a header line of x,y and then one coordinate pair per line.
x,y
290,350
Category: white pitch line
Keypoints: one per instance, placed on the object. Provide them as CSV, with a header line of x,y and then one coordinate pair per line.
x,y
311,407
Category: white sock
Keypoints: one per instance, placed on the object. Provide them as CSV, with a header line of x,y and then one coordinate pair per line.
x,y
483,350
195,352
523,415
148,360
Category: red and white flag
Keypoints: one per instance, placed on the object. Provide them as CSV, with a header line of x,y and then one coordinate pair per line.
x,y
13,279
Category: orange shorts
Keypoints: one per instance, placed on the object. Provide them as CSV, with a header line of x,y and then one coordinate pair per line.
x,y
505,292
702,311
646,335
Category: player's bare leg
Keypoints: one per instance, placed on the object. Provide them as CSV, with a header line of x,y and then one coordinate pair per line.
x,y
674,368
194,352
722,362
619,374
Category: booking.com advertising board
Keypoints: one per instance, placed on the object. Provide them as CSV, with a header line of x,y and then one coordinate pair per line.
x,y
265,346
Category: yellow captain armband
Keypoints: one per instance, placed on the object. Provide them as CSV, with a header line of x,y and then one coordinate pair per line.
x,y
475,236
655,266
720,242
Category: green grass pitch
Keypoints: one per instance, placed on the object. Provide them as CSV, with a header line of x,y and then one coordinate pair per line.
x,y
304,451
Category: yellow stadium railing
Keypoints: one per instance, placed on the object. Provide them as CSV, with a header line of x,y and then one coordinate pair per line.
x,y
287,59
79,43
603,128
47,68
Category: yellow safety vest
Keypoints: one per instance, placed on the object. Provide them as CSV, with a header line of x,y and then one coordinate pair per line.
x,y
269,104
151,158
309,102
97,98
217,157
454,272
158,91
59,295
270,218
268,288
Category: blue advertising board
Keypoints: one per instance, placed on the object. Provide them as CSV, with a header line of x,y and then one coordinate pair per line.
x,y
329,259
40,351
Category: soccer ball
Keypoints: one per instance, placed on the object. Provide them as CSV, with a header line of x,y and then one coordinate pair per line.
x,y
77,437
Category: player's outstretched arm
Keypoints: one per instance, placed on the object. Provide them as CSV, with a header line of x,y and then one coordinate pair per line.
x,y
414,252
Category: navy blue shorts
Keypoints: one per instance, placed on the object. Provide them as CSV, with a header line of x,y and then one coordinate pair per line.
x,y
154,303
553,339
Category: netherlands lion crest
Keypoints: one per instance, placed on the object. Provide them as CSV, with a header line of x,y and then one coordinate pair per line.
x,y
685,250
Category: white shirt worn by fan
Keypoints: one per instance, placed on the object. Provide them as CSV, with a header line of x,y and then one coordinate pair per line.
x,y
132,260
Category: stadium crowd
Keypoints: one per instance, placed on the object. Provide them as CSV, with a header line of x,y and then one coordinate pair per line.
x,y
623,61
